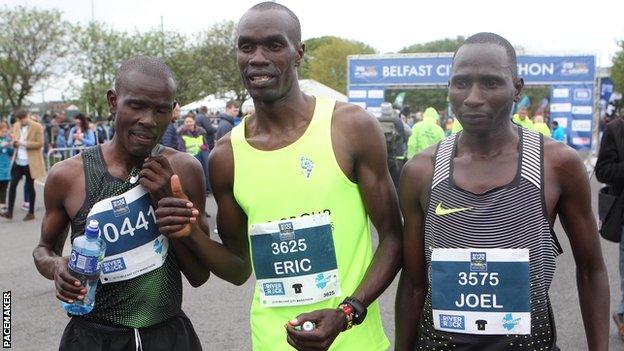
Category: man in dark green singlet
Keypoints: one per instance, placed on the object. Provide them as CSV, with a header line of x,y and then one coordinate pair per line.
x,y
160,192
479,209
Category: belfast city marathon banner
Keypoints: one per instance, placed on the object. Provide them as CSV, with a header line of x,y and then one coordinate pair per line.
x,y
370,75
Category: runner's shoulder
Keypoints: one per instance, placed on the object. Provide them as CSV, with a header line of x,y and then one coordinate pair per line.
x,y
561,158
421,164
353,117
63,174
181,160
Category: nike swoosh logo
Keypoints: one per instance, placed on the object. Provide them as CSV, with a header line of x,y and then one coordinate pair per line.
x,y
440,211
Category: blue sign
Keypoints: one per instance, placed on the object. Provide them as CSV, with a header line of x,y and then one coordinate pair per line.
x,y
571,105
406,70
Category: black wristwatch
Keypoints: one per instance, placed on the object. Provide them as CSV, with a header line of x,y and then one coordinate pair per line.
x,y
359,311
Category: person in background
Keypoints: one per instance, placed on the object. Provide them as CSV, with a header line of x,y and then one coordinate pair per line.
x,y
558,132
170,138
522,118
204,121
81,134
28,163
192,140
425,133
540,126
227,120
6,152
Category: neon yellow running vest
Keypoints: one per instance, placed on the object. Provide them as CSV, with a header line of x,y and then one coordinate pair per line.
x,y
303,179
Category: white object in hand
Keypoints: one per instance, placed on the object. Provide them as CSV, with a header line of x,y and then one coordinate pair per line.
x,y
308,326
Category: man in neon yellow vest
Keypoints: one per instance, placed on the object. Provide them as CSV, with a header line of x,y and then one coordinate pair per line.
x,y
299,180
522,118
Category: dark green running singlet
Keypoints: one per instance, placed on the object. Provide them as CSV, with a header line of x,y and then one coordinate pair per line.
x,y
139,302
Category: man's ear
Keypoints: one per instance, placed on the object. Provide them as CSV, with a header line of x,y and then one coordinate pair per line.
x,y
111,98
518,85
300,53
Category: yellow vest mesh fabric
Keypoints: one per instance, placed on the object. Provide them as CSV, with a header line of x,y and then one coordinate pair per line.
x,y
304,178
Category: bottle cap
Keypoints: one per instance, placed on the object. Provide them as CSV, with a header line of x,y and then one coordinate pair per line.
x,y
93,230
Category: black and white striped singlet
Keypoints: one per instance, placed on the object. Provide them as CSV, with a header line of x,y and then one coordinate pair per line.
x,y
511,216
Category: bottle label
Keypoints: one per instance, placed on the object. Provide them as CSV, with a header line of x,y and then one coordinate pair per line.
x,y
83,264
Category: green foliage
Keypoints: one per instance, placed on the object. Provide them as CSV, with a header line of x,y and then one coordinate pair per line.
x,y
100,50
442,45
217,61
32,44
328,60
617,70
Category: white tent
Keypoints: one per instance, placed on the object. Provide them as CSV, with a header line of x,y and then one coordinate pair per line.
x,y
308,86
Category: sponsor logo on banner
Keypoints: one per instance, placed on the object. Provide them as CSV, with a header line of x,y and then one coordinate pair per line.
x,y
450,321
561,107
574,68
582,110
365,71
582,94
581,141
561,93
563,122
376,94
357,94
581,125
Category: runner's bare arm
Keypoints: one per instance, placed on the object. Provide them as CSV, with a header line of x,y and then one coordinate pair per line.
x,y
197,254
54,228
576,216
412,290
231,219
360,147
380,200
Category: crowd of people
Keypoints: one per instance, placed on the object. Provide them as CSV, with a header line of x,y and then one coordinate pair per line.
x,y
467,219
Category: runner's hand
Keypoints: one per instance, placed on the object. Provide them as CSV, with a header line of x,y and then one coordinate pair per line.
x,y
155,176
328,324
176,214
68,288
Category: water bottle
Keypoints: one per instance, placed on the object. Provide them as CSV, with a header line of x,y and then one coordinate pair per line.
x,y
84,264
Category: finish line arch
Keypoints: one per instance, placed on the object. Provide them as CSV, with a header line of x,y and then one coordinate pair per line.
x,y
572,81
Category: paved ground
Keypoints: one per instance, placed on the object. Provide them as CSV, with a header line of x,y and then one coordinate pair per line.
x,y
219,310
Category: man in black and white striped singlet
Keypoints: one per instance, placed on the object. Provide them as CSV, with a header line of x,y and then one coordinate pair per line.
x,y
479,207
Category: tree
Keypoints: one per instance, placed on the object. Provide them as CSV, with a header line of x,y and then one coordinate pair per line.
x,y
99,51
216,62
617,70
328,61
32,44
442,45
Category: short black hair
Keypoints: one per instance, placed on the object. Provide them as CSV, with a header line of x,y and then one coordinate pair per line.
x,y
232,103
555,123
269,5
144,64
493,38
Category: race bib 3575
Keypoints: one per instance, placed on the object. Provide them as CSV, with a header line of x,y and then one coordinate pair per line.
x,y
481,291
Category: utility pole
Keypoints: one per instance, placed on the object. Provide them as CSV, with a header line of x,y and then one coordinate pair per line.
x,y
162,37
